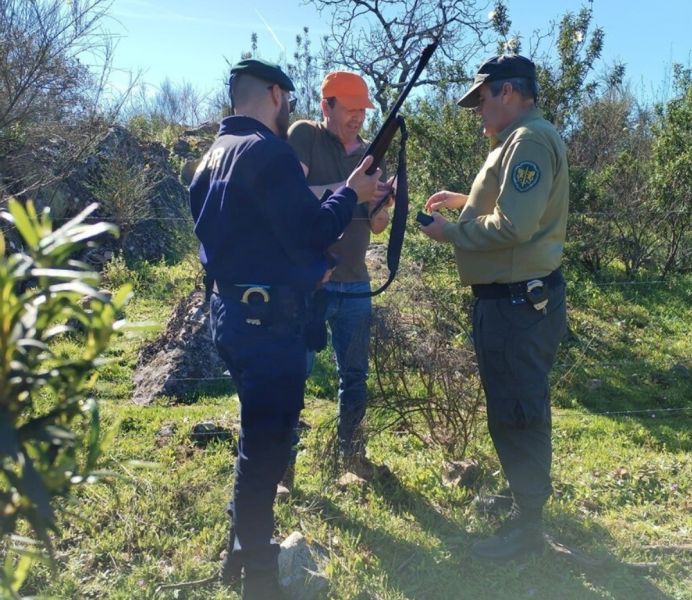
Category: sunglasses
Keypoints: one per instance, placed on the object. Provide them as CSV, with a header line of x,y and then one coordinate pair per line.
x,y
292,100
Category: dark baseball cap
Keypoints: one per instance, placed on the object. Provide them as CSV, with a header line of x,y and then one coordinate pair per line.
x,y
505,66
263,70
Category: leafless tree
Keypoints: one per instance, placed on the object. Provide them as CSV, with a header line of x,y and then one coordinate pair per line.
x,y
424,377
54,59
306,73
170,104
382,39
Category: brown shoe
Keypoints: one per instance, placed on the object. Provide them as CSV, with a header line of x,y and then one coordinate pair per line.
x,y
289,477
363,467
360,465
285,486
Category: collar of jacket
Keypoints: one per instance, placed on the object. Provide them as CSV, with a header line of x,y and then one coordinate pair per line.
x,y
241,123
335,138
531,115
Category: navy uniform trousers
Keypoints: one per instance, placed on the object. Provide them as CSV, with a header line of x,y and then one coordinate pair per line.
x,y
268,367
515,348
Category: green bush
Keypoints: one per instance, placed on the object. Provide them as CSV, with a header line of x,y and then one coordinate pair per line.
x,y
445,148
671,174
49,425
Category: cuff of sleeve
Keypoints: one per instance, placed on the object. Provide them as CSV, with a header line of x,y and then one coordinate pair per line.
x,y
350,193
449,231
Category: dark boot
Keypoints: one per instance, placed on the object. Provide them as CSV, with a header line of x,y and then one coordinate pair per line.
x,y
289,477
230,564
262,586
517,537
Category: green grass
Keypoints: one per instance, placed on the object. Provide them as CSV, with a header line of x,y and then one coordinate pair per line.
x,y
622,481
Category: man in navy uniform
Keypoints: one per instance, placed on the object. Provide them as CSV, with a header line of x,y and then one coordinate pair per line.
x,y
263,238
508,243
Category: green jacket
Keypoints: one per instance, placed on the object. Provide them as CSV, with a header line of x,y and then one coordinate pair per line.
x,y
513,225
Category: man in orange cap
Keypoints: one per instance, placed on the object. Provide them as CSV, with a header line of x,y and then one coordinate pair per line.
x,y
329,151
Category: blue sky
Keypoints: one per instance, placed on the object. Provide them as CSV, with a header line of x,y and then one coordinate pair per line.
x,y
187,41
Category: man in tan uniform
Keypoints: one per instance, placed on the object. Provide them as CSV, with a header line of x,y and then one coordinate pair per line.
x,y
508,243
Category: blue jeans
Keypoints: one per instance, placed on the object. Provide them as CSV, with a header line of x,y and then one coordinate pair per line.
x,y
349,323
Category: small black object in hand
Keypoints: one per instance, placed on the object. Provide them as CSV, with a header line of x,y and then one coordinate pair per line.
x,y
424,218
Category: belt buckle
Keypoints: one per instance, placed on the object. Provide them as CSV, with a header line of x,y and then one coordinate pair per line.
x,y
245,299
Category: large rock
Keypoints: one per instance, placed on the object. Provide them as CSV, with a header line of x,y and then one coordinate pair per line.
x,y
154,227
191,146
182,359
301,568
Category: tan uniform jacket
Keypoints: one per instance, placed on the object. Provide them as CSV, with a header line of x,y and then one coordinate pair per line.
x,y
513,225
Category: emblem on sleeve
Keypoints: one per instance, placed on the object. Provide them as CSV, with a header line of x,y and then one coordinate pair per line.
x,y
525,175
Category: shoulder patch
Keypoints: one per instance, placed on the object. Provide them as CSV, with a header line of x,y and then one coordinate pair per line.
x,y
525,175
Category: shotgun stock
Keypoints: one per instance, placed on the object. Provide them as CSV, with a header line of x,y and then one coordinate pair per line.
x,y
378,148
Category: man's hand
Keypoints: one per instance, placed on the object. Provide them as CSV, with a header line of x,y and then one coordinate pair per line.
x,y
445,199
434,230
365,186
384,191
327,275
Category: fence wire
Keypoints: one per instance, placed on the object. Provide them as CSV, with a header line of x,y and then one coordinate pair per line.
x,y
653,412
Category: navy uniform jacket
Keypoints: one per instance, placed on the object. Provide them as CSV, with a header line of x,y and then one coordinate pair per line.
x,y
255,215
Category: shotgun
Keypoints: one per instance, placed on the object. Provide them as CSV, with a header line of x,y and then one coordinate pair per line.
x,y
385,135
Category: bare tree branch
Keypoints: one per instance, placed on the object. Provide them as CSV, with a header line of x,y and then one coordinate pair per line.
x,y
383,38
51,93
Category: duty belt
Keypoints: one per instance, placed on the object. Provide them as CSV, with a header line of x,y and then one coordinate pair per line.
x,y
534,291
265,304
244,293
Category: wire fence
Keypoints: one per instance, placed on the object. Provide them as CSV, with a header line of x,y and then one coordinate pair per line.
x,y
654,412
215,430
188,218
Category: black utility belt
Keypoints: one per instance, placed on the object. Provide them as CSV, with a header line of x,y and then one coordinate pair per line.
x,y
266,304
534,291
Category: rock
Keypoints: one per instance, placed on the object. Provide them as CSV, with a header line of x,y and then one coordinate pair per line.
x,y
151,227
349,480
376,261
462,473
164,434
282,493
595,384
204,433
181,360
181,146
301,568
187,172
206,129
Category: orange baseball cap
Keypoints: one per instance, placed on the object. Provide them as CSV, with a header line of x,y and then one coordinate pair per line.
x,y
348,88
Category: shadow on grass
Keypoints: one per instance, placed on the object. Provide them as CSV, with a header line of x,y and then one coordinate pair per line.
x,y
442,568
